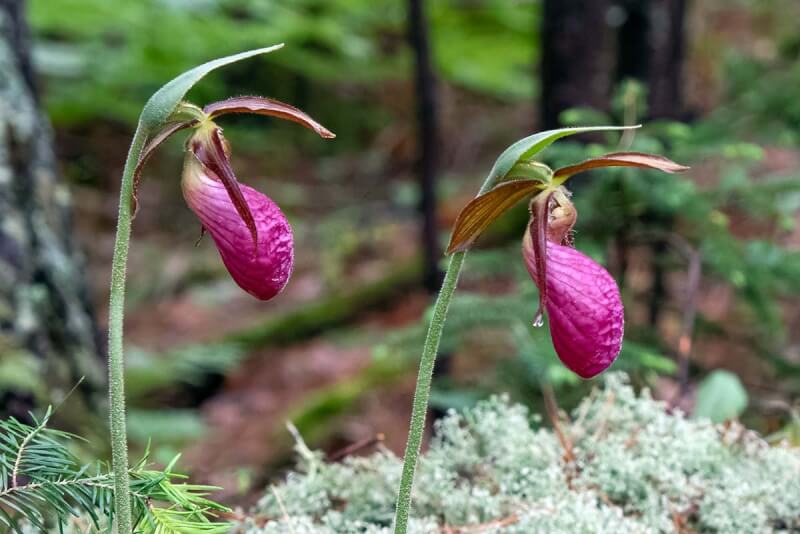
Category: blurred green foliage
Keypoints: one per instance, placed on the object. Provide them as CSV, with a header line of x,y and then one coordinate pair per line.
x,y
720,397
108,56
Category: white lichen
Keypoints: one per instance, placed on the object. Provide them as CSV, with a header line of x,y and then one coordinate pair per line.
x,y
634,467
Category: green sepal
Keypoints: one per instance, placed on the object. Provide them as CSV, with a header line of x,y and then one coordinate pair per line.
x,y
525,149
158,110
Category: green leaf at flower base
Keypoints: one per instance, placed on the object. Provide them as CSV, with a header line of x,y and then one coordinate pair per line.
x,y
526,148
721,396
161,105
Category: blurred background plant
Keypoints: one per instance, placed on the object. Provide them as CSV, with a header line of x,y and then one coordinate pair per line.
x,y
708,262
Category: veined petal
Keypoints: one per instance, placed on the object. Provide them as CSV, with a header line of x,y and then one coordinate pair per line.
x,y
584,308
263,274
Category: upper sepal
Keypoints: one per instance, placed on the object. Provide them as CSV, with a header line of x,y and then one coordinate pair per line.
x,y
513,177
160,107
526,148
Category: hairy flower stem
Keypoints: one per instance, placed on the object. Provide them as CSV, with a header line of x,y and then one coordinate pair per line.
x,y
116,366
423,389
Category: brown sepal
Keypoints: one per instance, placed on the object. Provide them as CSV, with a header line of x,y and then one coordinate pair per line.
x,y
622,159
260,105
483,209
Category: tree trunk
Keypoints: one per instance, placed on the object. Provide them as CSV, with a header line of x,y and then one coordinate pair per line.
x,y
425,85
575,67
48,336
633,41
651,46
668,50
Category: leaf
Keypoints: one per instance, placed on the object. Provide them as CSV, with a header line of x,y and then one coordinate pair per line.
x,y
721,396
621,159
157,110
484,209
527,170
528,147
260,105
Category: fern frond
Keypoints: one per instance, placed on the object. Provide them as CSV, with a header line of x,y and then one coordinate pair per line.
x,y
42,484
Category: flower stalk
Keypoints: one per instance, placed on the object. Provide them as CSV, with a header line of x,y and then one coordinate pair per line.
x,y
422,391
162,115
116,314
514,177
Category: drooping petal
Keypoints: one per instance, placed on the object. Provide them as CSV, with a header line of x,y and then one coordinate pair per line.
x,y
537,234
263,274
584,308
211,149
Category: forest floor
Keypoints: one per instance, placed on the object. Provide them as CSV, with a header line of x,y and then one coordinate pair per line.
x,y
179,296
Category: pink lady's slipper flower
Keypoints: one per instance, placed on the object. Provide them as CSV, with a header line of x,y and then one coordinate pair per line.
x,y
582,300
250,231
579,297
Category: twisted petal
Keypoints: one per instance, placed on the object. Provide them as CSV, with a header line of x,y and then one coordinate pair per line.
x,y
583,305
262,270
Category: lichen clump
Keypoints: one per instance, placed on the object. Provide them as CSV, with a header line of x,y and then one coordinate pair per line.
x,y
624,465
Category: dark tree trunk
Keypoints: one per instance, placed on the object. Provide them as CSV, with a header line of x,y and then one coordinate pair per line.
x,y
651,43
425,85
668,50
633,41
48,336
651,46
575,66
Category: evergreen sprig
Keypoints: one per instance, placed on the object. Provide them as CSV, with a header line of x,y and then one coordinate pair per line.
x,y
42,483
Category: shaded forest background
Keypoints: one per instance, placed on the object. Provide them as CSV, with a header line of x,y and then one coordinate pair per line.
x,y
422,97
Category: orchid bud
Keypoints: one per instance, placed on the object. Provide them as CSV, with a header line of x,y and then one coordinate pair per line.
x,y
581,298
251,233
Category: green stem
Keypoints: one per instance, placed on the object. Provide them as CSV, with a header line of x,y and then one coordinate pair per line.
x,y
424,377
116,366
423,389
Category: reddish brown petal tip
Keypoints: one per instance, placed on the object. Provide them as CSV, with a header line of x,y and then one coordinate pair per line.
x,y
260,105
623,159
